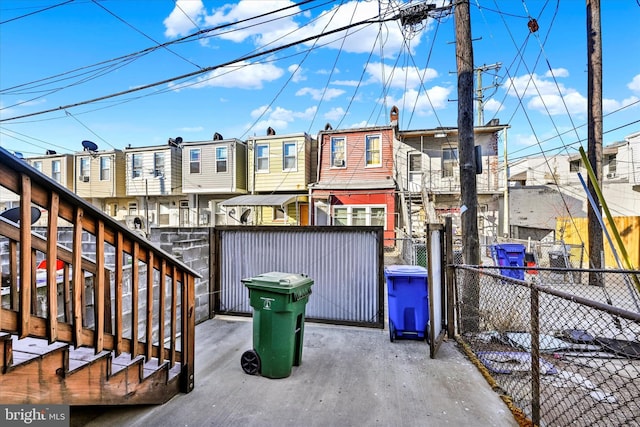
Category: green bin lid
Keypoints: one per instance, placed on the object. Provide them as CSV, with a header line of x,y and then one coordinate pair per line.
x,y
278,280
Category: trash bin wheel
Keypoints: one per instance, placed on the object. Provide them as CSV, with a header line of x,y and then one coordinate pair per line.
x,y
250,362
392,332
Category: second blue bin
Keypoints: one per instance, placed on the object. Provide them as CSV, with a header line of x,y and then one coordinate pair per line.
x,y
408,297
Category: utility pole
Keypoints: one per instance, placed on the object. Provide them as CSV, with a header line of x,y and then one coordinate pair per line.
x,y
480,90
469,196
594,134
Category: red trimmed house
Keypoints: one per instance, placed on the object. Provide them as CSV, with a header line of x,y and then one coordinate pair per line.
x,y
355,184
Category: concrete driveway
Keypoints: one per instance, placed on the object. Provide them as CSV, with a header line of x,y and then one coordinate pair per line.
x,y
348,377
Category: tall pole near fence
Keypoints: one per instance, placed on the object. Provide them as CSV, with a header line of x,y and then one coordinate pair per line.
x,y
468,192
469,196
594,134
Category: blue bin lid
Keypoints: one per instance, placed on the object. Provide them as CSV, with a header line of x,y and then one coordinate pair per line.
x,y
405,270
511,247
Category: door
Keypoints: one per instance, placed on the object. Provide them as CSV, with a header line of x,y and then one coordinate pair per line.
x,y
415,172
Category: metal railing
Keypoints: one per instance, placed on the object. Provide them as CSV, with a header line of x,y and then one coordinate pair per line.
x,y
562,351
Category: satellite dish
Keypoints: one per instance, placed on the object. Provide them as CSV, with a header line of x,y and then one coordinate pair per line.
x,y
13,214
51,152
245,216
18,154
89,146
217,137
328,126
271,131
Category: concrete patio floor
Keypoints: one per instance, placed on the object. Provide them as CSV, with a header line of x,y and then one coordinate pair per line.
x,y
349,376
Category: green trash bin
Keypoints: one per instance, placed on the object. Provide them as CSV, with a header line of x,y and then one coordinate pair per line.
x,y
278,301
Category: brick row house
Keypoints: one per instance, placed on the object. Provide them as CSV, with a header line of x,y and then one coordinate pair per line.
x,y
374,176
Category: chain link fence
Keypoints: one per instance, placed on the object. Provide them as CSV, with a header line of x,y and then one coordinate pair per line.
x,y
563,352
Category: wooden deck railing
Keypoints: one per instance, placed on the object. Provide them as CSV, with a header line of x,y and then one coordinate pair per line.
x,y
78,297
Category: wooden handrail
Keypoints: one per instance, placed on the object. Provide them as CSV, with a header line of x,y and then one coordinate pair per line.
x,y
22,315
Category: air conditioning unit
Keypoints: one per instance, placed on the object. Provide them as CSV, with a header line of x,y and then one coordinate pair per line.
x,y
84,178
338,163
611,175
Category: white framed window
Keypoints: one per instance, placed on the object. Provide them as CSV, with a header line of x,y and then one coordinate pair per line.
x,y
359,215
56,173
221,159
38,165
136,166
194,160
373,147
279,214
289,156
158,165
338,152
105,168
84,169
449,161
262,158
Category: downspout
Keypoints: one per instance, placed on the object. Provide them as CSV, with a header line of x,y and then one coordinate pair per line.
x,y
505,226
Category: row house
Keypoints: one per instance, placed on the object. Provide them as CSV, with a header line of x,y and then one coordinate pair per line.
x,y
212,172
427,171
355,184
279,171
153,186
99,177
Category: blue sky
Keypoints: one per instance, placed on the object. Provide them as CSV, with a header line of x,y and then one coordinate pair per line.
x,y
84,50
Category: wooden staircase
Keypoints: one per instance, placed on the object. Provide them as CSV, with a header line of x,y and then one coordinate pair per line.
x,y
79,333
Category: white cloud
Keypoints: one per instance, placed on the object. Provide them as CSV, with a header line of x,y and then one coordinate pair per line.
x,y
436,98
257,112
320,94
634,85
493,105
547,96
399,77
335,114
298,73
557,72
278,118
241,75
523,140
281,28
352,83
181,21
609,105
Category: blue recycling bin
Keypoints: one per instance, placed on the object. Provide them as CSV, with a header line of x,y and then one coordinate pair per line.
x,y
408,298
509,255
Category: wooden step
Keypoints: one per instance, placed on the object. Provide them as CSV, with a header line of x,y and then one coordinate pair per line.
x,y
35,371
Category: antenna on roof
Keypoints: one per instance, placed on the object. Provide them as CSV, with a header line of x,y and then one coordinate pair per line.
x,y
176,142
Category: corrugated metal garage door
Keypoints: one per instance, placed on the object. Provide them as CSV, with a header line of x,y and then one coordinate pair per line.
x,y
346,265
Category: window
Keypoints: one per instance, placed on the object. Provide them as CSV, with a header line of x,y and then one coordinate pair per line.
x,y
262,158
164,213
221,159
359,215
278,214
611,161
574,166
449,161
194,160
105,168
374,150
289,156
158,165
133,208
55,170
136,166
84,169
38,166
338,155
